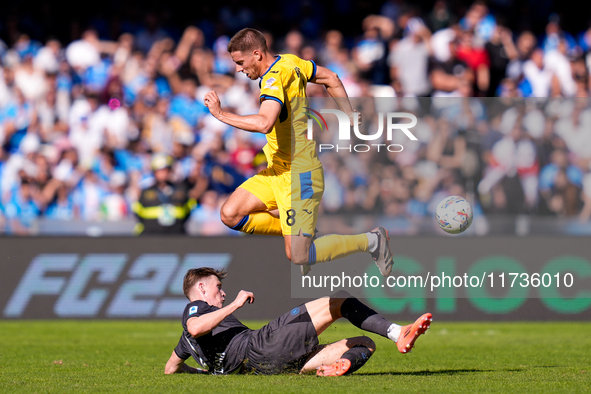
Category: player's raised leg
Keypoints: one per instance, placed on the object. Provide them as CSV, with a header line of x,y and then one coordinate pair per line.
x,y
247,208
325,311
306,251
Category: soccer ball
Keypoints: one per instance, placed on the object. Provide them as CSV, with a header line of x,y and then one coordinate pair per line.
x,y
453,214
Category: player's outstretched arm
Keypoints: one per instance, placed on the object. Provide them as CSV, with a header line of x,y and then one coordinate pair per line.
x,y
175,364
260,123
201,325
335,88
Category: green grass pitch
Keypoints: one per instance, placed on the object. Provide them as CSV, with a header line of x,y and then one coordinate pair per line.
x,y
129,356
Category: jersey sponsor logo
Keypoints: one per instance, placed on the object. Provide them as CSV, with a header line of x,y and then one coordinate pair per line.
x,y
109,284
193,310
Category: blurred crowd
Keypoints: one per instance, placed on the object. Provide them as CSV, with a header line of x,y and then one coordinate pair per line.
x,y
81,120
508,156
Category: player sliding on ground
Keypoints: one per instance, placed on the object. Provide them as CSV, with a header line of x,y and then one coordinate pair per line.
x,y
219,341
284,198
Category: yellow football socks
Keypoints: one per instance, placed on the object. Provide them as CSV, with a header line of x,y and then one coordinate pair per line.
x,y
334,246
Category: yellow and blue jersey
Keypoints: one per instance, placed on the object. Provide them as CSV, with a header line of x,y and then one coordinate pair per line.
x,y
285,82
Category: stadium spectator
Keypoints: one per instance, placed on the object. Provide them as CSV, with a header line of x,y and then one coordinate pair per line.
x,y
440,42
163,207
62,206
371,52
559,162
573,128
512,173
447,76
409,59
501,50
538,75
564,196
84,53
88,196
554,35
116,205
332,45
440,16
558,63
480,21
24,208
525,45
475,57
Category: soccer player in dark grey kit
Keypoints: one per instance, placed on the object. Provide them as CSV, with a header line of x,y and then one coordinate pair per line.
x,y
220,342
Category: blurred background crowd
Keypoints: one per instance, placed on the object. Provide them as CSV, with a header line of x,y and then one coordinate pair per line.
x,y
500,87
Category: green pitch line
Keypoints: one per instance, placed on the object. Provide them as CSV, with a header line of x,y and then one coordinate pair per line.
x,y
124,356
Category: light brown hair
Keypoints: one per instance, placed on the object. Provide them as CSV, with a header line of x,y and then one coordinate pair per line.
x,y
195,274
247,40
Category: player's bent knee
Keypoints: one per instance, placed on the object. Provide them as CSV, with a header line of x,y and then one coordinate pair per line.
x,y
369,343
362,341
228,216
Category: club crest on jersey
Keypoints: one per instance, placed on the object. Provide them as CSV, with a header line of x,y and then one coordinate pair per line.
x,y
193,310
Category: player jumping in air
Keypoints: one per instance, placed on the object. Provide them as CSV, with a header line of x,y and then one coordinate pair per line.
x,y
284,198
219,342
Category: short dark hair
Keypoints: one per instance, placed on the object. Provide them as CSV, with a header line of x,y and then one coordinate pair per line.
x,y
247,40
195,274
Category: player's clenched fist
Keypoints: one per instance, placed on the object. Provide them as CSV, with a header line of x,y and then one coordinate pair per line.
x,y
243,297
212,101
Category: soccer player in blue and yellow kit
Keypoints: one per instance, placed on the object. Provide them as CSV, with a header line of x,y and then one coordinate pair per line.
x,y
284,198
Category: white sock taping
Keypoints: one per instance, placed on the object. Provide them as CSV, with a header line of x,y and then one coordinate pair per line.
x,y
394,332
372,242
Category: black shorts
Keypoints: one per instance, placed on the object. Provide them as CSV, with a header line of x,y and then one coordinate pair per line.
x,y
283,345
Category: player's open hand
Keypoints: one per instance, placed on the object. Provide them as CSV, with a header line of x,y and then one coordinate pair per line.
x,y
243,297
212,101
352,116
